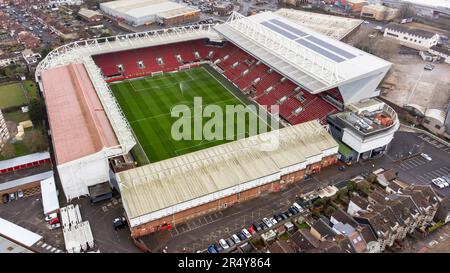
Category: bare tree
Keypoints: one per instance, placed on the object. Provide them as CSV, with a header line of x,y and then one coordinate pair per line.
x,y
407,11
8,150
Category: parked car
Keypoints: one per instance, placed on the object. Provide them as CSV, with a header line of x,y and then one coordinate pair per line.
x,y
427,157
54,221
288,213
218,247
278,217
299,208
236,239
443,181
256,227
246,233
51,216
20,194
12,196
274,222
341,168
428,67
223,244
437,184
251,230
284,216
55,226
230,242
212,249
263,226
119,223
5,198
267,222
242,236
293,210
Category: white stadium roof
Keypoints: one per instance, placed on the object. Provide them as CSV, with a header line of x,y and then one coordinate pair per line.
x,y
312,60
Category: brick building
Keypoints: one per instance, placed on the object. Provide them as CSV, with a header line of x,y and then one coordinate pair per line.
x,y
175,190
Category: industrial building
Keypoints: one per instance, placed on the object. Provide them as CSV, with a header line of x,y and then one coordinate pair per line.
x,y
90,15
379,12
351,5
423,8
142,12
16,239
367,129
411,37
174,190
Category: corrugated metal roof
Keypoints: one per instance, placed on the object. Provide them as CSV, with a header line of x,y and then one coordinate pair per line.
x,y
17,161
165,183
18,233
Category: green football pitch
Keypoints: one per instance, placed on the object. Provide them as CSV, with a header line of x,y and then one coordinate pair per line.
x,y
147,104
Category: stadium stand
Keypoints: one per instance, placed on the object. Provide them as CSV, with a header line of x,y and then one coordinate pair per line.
x,y
255,79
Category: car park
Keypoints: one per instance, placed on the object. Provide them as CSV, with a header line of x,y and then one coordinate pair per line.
x,y
236,239
427,157
212,249
223,244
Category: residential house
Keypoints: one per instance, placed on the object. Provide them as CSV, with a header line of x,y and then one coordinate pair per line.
x,y
443,212
280,246
322,231
304,241
385,177
356,204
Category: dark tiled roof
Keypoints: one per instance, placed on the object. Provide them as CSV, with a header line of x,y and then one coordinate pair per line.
x,y
412,31
304,240
359,201
368,234
344,217
324,229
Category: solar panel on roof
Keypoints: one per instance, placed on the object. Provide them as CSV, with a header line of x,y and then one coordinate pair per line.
x,y
279,30
288,27
331,47
320,50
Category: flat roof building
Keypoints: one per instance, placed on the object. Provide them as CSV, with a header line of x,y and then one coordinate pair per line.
x,y
411,37
141,12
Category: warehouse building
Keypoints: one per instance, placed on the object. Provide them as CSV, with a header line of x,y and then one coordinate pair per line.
x,y
143,12
411,37
90,15
379,12
175,190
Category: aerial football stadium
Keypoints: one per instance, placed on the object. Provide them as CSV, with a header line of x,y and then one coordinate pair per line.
x,y
111,97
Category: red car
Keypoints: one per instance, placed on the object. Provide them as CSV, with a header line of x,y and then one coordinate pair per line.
x,y
54,221
251,230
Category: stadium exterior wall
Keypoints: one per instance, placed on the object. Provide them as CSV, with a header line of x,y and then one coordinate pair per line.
x,y
228,197
76,176
363,88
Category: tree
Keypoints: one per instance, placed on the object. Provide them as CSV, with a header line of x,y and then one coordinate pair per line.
x,y
351,186
36,141
46,51
37,111
8,150
407,11
319,202
329,211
